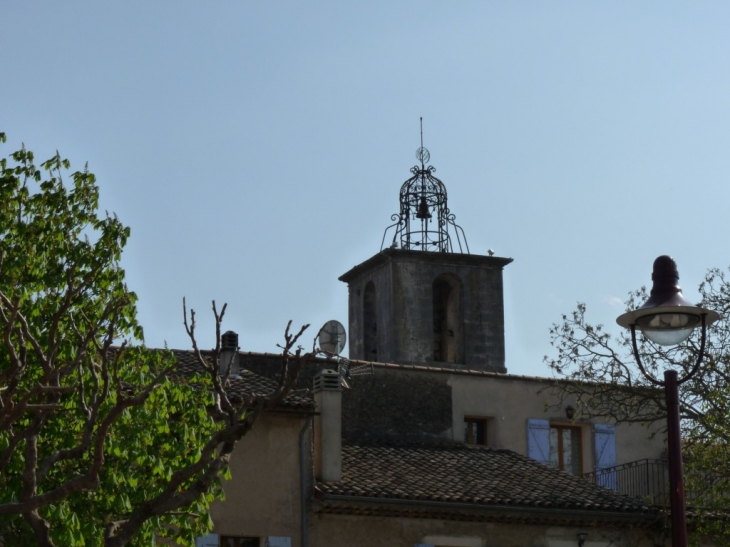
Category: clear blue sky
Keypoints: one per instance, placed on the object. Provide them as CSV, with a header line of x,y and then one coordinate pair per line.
x,y
256,149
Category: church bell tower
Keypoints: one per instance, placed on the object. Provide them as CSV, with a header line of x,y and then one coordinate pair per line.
x,y
425,299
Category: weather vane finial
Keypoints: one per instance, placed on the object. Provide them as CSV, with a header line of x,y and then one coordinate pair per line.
x,y
422,154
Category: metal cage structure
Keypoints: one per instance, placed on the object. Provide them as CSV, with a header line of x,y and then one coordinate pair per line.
x,y
424,221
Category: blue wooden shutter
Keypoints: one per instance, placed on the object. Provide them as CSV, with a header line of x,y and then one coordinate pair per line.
x,y
278,541
604,438
538,440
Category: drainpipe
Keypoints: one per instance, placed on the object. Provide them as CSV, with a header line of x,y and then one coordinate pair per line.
x,y
303,479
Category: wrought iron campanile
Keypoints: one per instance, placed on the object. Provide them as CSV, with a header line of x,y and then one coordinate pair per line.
x,y
424,221
425,299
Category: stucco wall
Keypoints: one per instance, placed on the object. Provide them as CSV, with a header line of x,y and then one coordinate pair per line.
x,y
511,401
263,498
330,530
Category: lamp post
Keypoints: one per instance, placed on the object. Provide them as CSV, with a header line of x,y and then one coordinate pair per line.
x,y
667,318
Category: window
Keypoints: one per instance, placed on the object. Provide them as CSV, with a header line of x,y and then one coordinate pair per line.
x,y
475,430
235,541
565,448
562,446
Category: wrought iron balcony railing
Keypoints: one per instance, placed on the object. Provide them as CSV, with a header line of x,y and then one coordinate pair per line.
x,y
648,480
644,479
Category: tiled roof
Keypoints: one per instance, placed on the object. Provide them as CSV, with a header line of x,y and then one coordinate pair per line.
x,y
462,474
246,383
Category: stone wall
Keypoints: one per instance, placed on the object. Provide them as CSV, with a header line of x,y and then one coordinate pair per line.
x,y
404,307
391,404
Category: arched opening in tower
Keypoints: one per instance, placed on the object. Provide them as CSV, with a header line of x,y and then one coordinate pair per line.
x,y
369,323
448,337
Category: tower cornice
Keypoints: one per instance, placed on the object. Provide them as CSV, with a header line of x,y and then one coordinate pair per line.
x,y
457,259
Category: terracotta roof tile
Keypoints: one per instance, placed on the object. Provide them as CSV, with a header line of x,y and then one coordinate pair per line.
x,y
246,384
458,473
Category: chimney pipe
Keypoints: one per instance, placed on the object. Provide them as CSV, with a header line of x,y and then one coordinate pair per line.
x,y
328,426
229,353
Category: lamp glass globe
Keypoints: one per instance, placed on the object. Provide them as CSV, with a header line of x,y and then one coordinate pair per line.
x,y
668,337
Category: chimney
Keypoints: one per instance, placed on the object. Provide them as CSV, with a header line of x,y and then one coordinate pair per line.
x,y
328,426
229,353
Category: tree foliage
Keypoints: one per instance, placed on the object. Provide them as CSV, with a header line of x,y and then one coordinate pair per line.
x,y
598,370
101,443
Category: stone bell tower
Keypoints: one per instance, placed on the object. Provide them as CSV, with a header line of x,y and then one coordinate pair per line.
x,y
425,299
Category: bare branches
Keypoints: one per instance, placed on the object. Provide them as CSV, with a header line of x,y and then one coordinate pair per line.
x,y
595,373
599,371
190,329
289,373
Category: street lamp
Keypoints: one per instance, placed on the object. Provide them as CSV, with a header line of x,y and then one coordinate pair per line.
x,y
668,318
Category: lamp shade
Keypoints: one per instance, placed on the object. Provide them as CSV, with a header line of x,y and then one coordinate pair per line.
x,y
667,317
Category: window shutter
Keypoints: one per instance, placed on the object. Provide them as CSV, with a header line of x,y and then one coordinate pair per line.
x,y
538,440
211,540
423,545
605,445
278,541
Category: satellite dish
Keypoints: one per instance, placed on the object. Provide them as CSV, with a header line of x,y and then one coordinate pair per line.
x,y
332,337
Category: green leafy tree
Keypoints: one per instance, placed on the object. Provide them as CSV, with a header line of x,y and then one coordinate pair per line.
x,y
598,370
101,443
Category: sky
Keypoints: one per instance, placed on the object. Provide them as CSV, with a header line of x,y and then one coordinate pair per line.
x,y
256,149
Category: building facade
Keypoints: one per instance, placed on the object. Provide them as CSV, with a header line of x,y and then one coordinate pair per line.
x,y
439,445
